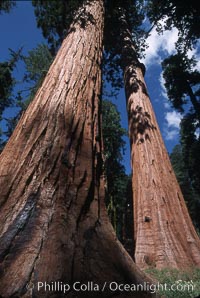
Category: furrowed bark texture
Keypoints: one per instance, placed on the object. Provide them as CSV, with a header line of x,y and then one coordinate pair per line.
x,y
53,223
163,231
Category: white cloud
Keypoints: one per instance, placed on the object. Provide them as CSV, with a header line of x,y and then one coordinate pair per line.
x,y
197,133
163,89
160,43
171,135
165,100
171,128
198,63
164,92
166,104
173,119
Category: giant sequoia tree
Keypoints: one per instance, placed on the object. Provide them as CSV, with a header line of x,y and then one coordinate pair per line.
x,y
54,225
160,213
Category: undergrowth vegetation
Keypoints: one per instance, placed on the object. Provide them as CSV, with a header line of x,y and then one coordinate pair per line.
x,y
176,283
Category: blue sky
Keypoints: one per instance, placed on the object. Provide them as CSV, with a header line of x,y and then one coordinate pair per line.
x,y
18,28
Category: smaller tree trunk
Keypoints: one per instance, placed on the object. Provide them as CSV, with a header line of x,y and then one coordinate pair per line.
x,y
163,231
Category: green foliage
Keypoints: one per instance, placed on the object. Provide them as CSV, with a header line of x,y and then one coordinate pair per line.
x,y
190,140
6,5
134,14
184,15
117,179
180,169
183,284
191,196
180,80
112,131
1,140
37,64
7,83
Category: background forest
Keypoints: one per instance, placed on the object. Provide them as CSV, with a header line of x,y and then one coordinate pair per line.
x,y
180,83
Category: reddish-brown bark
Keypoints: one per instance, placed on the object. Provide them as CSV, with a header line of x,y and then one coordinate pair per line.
x,y
53,223
163,231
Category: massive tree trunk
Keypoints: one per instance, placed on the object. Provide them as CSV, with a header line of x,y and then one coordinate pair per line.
x,y
53,223
163,232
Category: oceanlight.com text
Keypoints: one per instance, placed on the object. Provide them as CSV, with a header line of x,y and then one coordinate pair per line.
x,y
90,286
